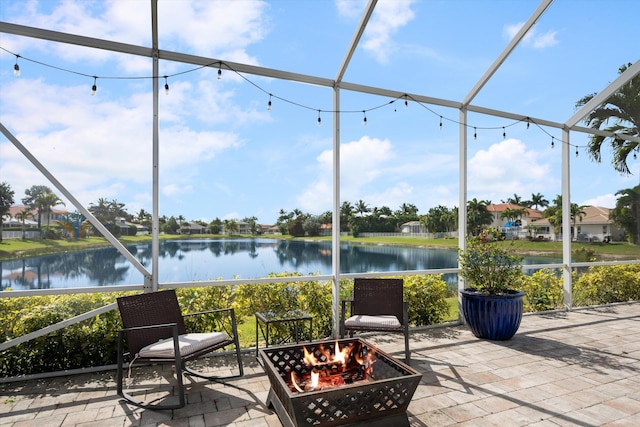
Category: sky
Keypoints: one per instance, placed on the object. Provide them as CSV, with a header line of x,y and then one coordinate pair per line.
x,y
224,154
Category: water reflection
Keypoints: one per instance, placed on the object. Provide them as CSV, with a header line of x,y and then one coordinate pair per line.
x,y
191,260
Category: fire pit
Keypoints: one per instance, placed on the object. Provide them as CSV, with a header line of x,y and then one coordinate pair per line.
x,y
333,383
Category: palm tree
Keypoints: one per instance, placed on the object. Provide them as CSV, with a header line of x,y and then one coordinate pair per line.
x,y
577,212
362,208
35,197
627,212
478,215
623,109
513,214
47,202
515,200
22,216
538,201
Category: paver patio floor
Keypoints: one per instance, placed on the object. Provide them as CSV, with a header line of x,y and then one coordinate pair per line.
x,y
578,368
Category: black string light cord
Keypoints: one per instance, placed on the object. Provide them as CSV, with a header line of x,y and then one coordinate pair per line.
x,y
219,65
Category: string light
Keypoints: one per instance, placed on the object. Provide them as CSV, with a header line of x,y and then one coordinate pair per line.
x,y
166,85
504,133
16,68
406,97
576,151
475,133
365,117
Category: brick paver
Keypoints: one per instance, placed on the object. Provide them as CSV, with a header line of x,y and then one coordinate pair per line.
x,y
578,368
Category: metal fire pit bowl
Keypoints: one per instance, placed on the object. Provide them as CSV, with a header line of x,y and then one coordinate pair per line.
x,y
387,391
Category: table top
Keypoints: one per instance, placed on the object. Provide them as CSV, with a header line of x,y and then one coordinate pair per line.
x,y
276,316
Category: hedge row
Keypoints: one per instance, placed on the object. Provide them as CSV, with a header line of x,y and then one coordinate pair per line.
x,y
93,342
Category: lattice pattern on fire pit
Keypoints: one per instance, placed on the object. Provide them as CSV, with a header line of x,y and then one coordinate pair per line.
x,y
369,391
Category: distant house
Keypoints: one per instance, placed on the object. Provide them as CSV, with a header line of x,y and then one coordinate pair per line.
x,y
412,227
266,228
595,226
243,227
11,220
46,218
192,228
519,227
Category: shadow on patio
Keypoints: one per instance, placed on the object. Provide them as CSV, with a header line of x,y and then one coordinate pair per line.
x,y
564,368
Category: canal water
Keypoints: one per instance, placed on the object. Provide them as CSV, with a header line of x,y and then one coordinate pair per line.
x,y
208,259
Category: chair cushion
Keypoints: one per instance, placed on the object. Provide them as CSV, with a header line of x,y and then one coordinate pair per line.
x,y
188,343
366,321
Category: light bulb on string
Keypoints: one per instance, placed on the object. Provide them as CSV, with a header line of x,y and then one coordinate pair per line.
x,y
504,133
166,85
527,122
440,122
365,118
319,119
475,133
635,157
16,68
269,103
576,151
406,103
219,71
553,144
94,88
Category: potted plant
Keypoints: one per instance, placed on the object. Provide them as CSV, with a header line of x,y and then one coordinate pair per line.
x,y
491,304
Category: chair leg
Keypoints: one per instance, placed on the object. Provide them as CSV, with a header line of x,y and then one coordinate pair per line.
x,y
129,398
236,342
119,372
407,353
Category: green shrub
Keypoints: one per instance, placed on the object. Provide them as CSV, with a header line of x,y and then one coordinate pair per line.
x,y
543,290
607,284
85,344
427,297
93,342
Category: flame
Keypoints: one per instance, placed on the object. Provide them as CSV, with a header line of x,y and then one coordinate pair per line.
x,y
294,381
322,363
309,358
341,355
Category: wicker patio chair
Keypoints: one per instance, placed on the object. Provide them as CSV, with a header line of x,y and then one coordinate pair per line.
x,y
377,305
154,331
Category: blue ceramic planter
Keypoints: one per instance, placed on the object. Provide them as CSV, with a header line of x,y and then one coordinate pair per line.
x,y
492,317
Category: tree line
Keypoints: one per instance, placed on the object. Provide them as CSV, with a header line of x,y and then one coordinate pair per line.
x,y
355,218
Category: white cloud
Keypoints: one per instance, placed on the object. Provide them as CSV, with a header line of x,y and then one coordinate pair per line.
x,y
605,201
216,28
173,190
507,168
361,163
532,38
388,18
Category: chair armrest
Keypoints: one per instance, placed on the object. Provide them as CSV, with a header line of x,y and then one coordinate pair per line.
x,y
219,324
160,325
219,310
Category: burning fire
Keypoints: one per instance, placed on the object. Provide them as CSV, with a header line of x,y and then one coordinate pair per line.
x,y
333,369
